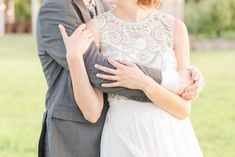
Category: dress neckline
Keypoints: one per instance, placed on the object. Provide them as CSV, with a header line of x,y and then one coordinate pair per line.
x,y
125,22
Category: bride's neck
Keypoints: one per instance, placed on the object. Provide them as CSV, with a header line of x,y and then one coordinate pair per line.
x,y
131,11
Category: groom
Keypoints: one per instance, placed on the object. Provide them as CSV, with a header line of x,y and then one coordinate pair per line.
x,y
65,132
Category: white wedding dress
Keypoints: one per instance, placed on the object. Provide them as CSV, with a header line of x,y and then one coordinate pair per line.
x,y
141,129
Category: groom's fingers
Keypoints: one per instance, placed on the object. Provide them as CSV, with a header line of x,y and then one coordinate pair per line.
x,y
63,32
82,27
195,74
192,88
88,33
190,96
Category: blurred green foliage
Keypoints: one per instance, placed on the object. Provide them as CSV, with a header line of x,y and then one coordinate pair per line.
x,y
23,10
211,18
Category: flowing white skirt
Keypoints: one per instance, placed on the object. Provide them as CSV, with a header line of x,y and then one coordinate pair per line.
x,y
138,129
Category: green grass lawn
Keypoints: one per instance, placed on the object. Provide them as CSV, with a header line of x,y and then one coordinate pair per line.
x,y
23,88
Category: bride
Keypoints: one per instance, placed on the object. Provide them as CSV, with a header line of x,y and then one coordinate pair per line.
x,y
135,30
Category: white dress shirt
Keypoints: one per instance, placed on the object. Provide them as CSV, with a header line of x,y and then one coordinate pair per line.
x,y
89,4
170,80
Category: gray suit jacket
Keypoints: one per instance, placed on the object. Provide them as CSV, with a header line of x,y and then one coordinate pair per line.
x,y
69,134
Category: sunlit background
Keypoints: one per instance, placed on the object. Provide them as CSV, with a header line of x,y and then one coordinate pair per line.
x,y
211,24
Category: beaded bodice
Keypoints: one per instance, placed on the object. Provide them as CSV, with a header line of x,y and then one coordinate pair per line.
x,y
148,42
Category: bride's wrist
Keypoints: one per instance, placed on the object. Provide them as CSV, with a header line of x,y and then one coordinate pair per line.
x,y
148,83
71,58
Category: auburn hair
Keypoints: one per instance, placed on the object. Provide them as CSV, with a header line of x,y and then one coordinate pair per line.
x,y
149,3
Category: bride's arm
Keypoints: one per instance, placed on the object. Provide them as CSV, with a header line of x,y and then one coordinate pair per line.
x,y
168,101
88,99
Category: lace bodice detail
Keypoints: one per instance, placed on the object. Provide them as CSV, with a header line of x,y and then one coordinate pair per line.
x,y
148,42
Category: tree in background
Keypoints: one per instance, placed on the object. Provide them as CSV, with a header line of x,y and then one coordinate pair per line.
x,y
23,16
23,10
210,18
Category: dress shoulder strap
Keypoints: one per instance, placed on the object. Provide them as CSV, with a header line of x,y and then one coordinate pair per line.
x,y
168,24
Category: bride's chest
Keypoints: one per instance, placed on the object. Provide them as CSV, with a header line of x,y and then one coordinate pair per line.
x,y
149,46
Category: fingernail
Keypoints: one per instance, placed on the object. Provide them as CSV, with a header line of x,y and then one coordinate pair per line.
x,y
95,65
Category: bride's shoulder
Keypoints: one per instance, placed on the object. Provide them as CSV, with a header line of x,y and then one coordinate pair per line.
x,y
176,24
163,15
179,27
180,33
166,19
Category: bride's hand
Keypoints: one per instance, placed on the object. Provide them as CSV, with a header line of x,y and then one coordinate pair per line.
x,y
126,74
76,44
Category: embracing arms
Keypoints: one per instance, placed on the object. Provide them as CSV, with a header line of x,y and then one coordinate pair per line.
x,y
132,77
89,99
51,42
49,36
49,18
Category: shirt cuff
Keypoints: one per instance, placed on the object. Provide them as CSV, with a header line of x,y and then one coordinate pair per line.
x,y
170,80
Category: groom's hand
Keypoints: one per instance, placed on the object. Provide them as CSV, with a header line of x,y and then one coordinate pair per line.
x,y
192,91
185,80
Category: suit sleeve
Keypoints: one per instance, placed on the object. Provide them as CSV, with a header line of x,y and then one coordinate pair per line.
x,y
52,14
93,56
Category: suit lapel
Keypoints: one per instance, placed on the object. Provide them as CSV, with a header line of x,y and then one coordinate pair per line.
x,y
85,13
